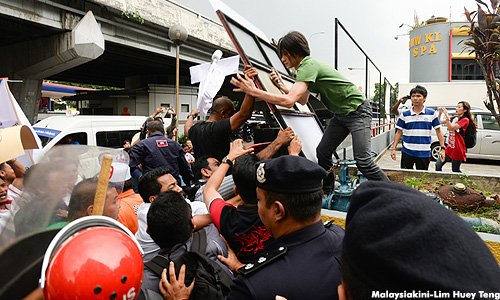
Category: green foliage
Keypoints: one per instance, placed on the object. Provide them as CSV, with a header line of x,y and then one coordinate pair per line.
x,y
379,98
417,183
394,94
485,212
134,16
182,139
464,179
484,42
485,229
467,181
89,86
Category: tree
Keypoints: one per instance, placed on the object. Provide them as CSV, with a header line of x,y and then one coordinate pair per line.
x,y
379,97
484,32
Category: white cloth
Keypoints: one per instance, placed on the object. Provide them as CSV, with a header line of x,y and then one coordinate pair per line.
x,y
189,157
7,229
147,244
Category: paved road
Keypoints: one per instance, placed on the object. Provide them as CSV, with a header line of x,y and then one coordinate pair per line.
x,y
472,166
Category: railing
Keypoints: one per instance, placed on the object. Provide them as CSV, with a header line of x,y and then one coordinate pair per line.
x,y
382,87
378,129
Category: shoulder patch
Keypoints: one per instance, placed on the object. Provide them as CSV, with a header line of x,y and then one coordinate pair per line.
x,y
328,223
161,143
263,260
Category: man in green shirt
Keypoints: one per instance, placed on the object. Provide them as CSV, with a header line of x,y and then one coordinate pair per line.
x,y
352,113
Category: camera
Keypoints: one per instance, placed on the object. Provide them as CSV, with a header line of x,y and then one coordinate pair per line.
x,y
406,97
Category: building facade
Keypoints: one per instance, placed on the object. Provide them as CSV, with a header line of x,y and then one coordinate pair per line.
x,y
443,64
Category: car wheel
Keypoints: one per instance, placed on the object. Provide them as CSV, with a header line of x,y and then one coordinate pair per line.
x,y
435,149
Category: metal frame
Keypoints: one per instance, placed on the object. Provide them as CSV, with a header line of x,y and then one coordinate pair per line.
x,y
266,66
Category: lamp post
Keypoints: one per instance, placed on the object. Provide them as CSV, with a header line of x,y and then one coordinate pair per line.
x,y
309,39
315,33
397,36
178,34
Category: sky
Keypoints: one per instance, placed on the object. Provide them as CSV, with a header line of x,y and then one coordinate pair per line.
x,y
374,24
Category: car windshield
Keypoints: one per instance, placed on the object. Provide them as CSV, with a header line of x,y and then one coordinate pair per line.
x,y
46,134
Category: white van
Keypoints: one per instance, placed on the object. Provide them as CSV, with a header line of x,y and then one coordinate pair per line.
x,y
104,131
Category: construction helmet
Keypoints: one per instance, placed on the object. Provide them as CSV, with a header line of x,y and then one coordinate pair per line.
x,y
93,257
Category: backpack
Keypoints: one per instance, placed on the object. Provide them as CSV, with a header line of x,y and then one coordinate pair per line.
x,y
469,135
211,281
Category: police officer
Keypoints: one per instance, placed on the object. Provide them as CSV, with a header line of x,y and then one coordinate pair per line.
x,y
160,151
304,262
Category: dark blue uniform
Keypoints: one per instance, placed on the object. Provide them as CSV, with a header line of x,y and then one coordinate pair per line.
x,y
303,265
160,151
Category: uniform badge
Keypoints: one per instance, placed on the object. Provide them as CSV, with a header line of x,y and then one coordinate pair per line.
x,y
261,173
161,143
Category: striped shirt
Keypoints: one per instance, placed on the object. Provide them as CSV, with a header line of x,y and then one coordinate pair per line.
x,y
226,190
417,131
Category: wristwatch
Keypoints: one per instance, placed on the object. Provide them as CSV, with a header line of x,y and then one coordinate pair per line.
x,y
226,160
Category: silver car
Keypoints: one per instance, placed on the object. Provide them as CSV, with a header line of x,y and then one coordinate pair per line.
x,y
488,137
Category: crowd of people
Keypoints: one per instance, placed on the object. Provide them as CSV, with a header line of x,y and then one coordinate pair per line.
x,y
213,219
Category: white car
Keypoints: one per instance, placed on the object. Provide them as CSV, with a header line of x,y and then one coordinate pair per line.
x,y
488,137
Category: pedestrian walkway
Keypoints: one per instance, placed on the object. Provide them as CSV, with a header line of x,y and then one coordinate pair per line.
x,y
480,167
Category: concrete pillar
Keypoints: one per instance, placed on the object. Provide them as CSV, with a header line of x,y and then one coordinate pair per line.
x,y
28,95
34,60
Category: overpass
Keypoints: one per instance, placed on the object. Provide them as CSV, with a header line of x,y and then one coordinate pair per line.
x,y
120,43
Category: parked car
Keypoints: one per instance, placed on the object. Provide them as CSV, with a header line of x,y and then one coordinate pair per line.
x,y
104,131
488,137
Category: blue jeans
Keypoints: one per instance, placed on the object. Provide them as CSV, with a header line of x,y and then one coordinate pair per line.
x,y
136,175
357,123
455,164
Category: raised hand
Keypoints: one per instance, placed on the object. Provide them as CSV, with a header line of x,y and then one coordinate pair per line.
x,y
173,289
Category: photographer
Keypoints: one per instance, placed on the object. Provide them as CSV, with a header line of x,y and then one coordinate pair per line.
x,y
407,104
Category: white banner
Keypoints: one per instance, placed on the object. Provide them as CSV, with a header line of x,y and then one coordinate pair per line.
x,y
11,114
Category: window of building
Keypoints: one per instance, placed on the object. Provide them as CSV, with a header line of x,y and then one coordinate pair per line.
x,y
185,108
465,69
114,139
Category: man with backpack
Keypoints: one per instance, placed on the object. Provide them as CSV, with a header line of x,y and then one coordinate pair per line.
x,y
464,125
170,226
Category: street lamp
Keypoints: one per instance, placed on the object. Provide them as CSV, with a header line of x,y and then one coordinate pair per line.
x,y
315,33
397,36
178,34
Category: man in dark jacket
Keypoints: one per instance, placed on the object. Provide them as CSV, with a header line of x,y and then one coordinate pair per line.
x,y
160,151
304,260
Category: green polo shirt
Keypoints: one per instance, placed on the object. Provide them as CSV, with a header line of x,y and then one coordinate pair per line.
x,y
338,94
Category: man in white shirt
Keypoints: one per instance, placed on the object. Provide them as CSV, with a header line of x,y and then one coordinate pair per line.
x,y
151,184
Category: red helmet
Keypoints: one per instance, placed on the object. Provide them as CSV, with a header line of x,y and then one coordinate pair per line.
x,y
96,258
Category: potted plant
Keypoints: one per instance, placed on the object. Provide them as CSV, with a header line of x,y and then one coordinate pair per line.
x,y
484,32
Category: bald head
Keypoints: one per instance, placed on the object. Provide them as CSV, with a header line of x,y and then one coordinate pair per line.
x,y
223,107
82,200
